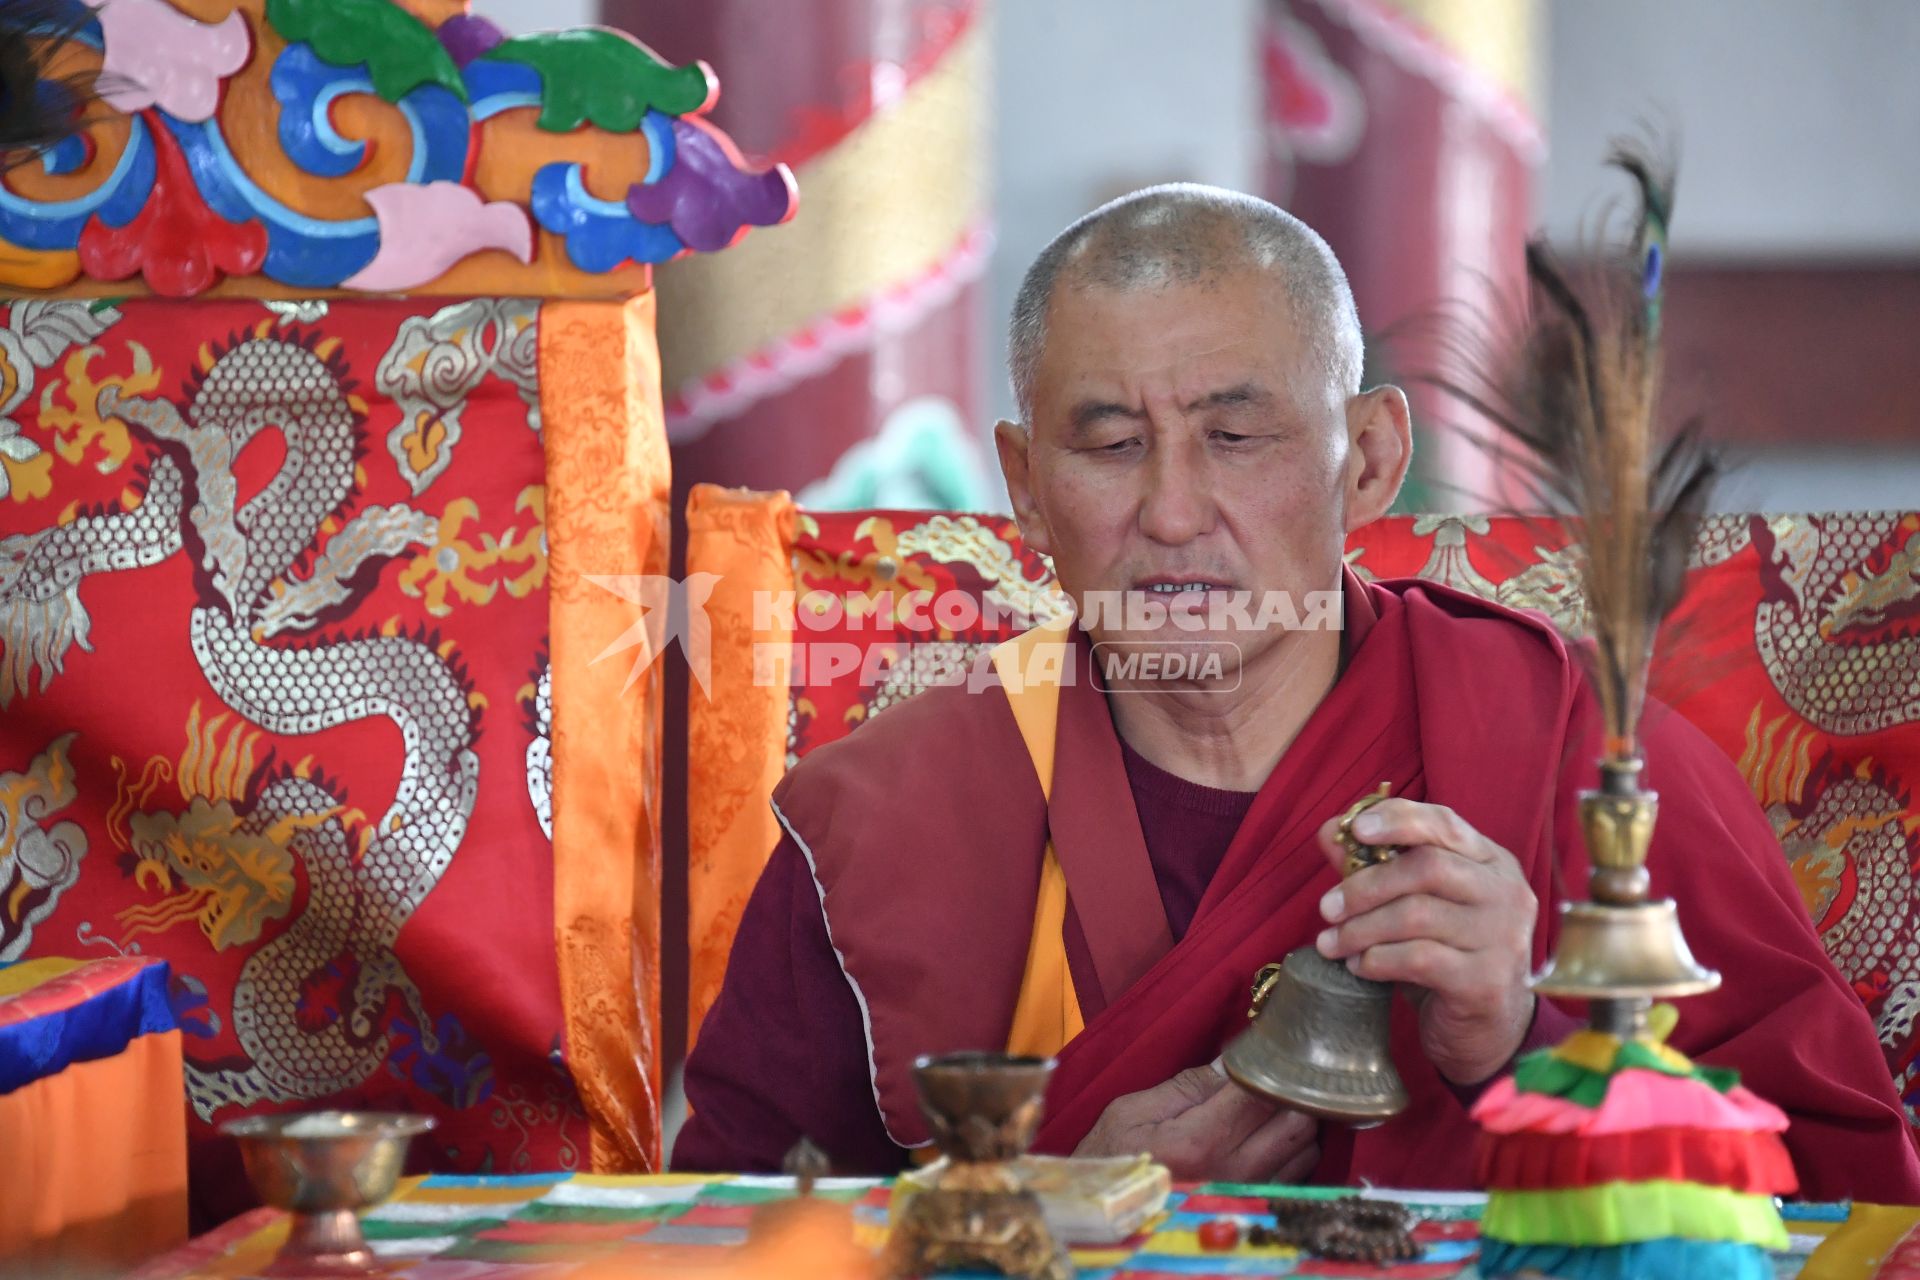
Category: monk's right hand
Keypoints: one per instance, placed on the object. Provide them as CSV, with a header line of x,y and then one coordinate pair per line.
x,y
1205,1128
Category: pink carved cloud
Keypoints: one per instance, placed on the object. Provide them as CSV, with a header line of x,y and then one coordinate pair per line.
x,y
163,58
426,228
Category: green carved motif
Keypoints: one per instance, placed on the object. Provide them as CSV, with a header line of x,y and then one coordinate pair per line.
x,y
602,77
400,52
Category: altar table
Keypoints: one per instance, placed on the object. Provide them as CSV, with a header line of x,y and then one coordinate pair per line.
x,y
548,1226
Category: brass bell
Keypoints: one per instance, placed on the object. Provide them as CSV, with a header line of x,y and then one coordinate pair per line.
x,y
1319,1039
1318,1042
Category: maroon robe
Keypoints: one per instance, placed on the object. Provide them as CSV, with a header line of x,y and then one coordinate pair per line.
x,y
783,1051
928,877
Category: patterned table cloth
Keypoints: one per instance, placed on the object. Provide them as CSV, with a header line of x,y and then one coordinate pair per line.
x,y
547,1226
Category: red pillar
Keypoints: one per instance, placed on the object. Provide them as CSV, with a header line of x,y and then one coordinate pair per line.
x,y
863,315
1401,131
869,299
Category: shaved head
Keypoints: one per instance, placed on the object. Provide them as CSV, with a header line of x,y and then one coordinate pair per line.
x,y
1183,233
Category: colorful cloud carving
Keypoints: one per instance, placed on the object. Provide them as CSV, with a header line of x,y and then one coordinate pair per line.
x,y
425,229
177,204
158,56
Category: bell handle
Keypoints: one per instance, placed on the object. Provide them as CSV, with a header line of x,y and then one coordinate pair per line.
x,y
1356,858
1359,855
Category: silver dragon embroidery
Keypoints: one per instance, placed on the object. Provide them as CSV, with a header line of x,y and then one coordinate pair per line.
x,y
361,892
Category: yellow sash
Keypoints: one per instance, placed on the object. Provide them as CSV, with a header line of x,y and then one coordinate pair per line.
x,y
1047,1014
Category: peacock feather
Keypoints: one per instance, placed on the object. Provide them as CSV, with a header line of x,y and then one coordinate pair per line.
x,y
1574,410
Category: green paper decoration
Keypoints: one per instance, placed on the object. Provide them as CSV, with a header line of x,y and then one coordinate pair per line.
x,y
1543,1072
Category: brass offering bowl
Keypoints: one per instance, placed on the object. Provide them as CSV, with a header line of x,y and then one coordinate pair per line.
x,y
323,1168
982,1106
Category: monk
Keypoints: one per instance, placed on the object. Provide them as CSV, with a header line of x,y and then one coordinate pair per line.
x,y
1095,868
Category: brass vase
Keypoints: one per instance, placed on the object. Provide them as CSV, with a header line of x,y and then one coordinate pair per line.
x,y
1621,951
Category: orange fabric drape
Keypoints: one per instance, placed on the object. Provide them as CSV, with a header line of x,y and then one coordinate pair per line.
x,y
96,1160
607,516
737,727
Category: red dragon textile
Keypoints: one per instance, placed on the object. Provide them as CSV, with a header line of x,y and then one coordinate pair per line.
x,y
1797,650
296,630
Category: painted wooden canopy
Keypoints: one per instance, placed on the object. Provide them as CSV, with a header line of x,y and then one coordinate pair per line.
x,y
306,148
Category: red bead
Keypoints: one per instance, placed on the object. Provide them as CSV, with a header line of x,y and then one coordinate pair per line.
x,y
1218,1235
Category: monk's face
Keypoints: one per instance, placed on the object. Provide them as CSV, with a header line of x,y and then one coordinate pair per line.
x,y
1186,437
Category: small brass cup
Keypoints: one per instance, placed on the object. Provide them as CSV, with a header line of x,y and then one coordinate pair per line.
x,y
323,1168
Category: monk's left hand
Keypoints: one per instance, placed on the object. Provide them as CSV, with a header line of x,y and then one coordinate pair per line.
x,y
1453,918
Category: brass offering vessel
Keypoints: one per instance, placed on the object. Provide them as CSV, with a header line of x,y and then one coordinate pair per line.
x,y
983,1109
1319,1039
323,1168
1621,951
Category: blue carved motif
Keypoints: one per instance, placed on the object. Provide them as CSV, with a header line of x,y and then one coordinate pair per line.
x,y
500,86
658,130
601,234
307,89
56,224
66,155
